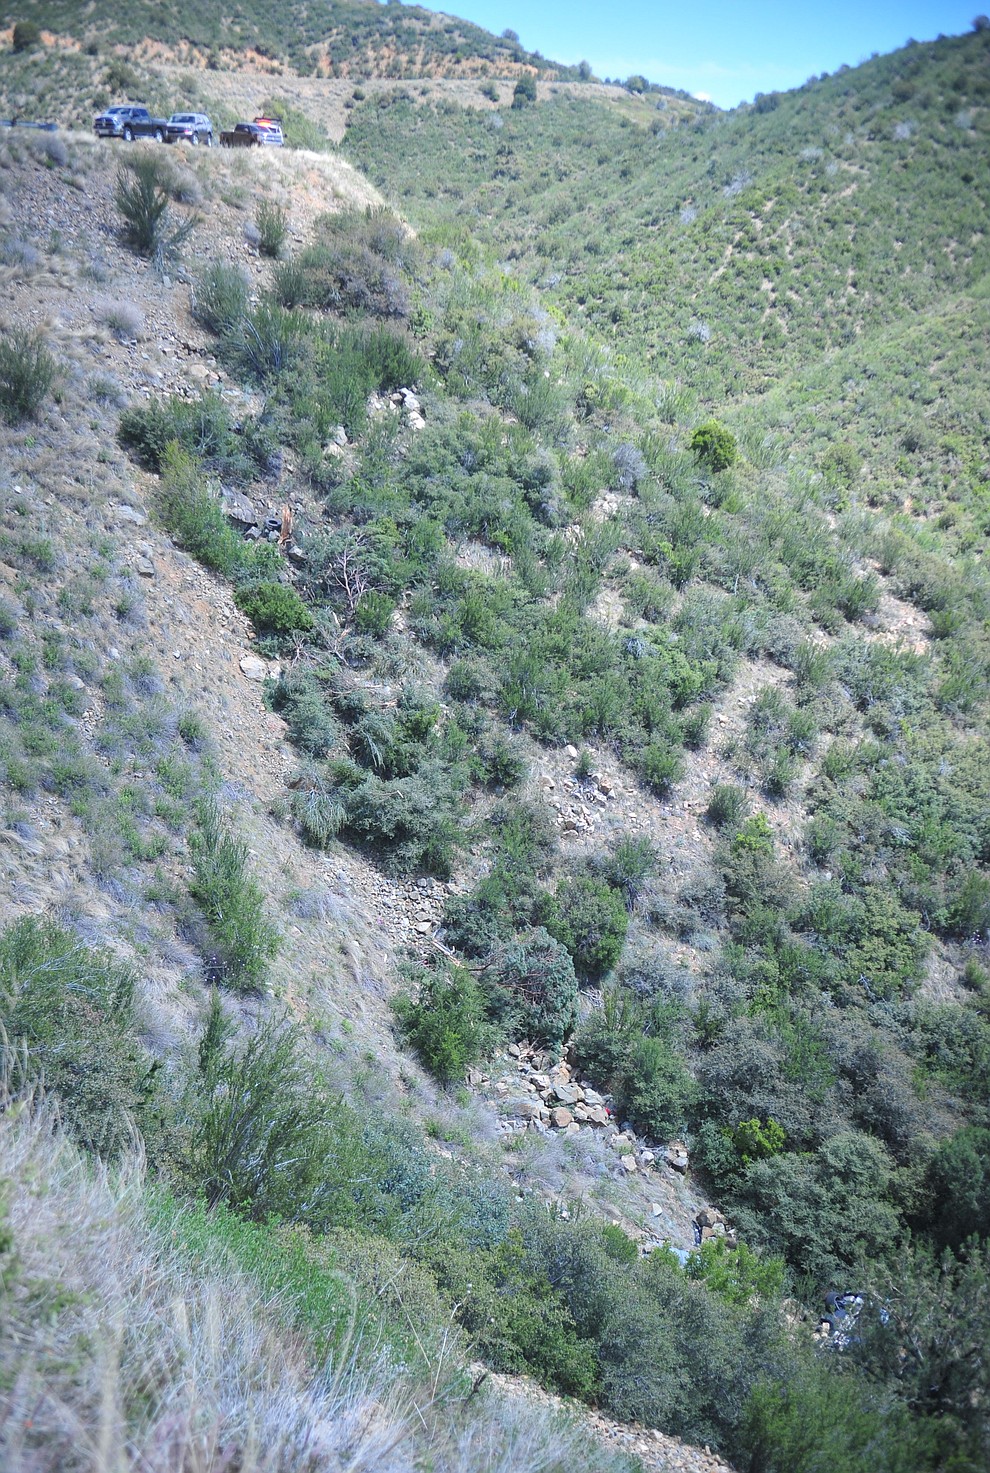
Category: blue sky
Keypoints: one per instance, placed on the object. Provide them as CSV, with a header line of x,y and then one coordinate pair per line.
x,y
724,49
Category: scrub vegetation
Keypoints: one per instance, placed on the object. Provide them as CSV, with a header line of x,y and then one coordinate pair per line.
x,y
646,457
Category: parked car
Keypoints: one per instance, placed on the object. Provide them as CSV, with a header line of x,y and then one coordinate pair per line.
x,y
189,128
129,121
272,130
243,135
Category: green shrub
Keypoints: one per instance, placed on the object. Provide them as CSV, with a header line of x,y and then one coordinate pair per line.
x,y
841,465
524,92
26,35
658,1090
220,300
200,426
411,824
270,341
737,1275
627,868
71,1008
274,608
714,446
373,613
502,760
662,767
538,975
192,514
298,696
754,1141
959,1188
445,1023
259,1138
361,262
726,805
141,194
273,227
821,1416
238,941
289,284
589,918
27,372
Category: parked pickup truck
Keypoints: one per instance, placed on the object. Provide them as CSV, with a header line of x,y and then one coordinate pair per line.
x,y
243,135
189,128
272,129
129,122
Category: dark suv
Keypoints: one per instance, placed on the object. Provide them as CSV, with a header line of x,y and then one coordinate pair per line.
x,y
189,128
128,121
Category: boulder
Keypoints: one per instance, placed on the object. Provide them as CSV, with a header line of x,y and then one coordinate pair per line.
x,y
676,1156
130,514
237,508
561,1117
253,668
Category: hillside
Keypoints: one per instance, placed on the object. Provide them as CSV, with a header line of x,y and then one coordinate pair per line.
x,y
329,38
492,755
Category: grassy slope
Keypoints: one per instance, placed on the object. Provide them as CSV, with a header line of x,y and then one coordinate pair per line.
x,y
744,244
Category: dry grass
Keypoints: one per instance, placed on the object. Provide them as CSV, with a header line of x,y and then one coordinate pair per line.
x,y
117,1355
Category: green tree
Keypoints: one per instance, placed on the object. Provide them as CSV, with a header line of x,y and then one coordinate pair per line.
x,y
714,446
525,92
445,1022
588,917
959,1183
26,35
538,973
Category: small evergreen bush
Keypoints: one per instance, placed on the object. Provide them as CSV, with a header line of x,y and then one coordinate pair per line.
x,y
662,768
273,227
220,301
27,372
71,1008
274,608
445,1023
192,514
259,1138
142,195
538,975
589,918
238,940
726,806
714,446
